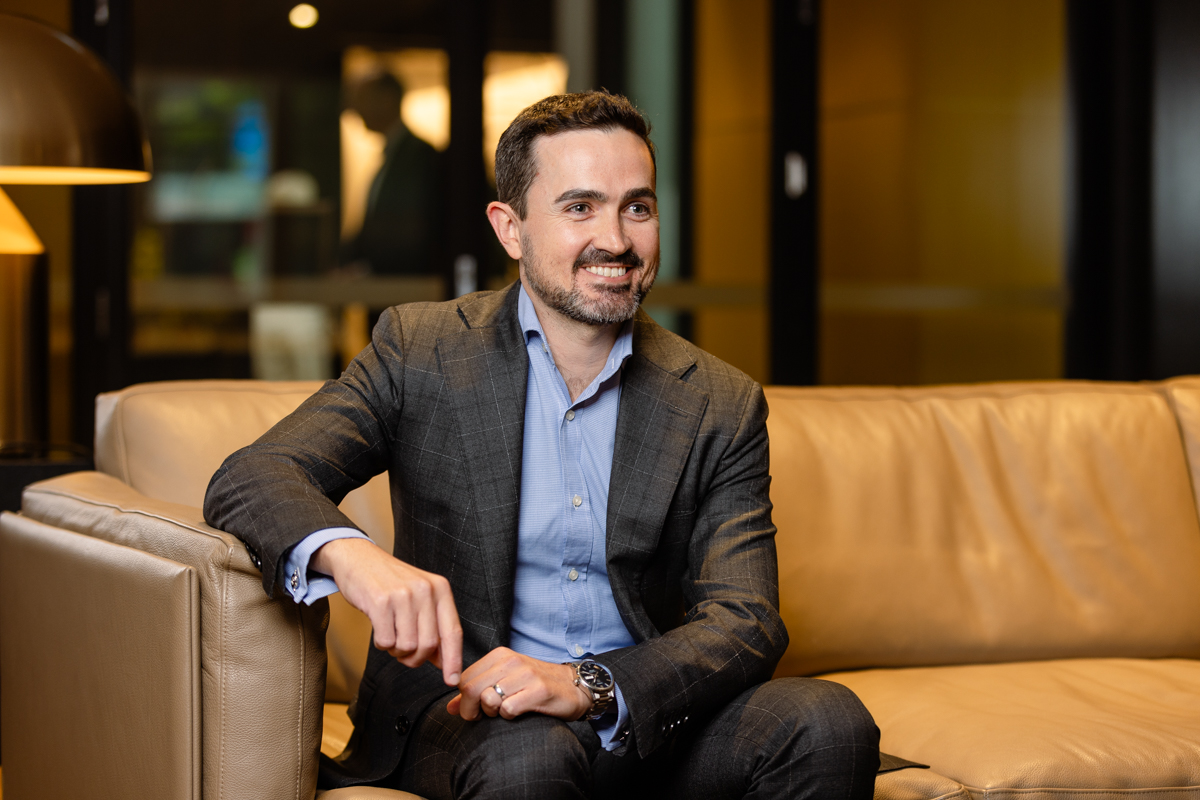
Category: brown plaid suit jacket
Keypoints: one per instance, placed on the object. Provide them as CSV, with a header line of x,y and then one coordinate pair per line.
x,y
438,399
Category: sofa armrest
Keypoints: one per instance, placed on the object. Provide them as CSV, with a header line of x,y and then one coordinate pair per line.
x,y
100,665
262,661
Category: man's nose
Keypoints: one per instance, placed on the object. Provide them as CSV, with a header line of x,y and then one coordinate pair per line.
x,y
611,237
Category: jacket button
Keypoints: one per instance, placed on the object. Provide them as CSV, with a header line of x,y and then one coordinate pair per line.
x,y
402,725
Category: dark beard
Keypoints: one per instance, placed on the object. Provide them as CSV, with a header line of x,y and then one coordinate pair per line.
x,y
618,304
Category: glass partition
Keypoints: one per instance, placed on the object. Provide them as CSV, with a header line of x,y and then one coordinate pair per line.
x,y
942,199
287,212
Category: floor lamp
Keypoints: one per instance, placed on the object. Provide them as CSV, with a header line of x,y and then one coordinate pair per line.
x,y
64,119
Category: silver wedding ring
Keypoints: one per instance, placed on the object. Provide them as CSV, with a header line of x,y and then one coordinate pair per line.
x,y
498,690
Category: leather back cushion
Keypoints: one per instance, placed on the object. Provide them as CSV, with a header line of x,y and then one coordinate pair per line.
x,y
916,526
982,523
167,439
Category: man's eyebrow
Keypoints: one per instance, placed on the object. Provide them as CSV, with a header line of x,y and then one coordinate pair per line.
x,y
581,194
635,194
601,197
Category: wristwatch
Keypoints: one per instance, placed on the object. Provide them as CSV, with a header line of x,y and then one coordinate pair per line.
x,y
597,681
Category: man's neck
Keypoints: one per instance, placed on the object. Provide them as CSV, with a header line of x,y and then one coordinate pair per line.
x,y
580,350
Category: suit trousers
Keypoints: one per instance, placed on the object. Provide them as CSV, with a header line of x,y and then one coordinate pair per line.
x,y
786,738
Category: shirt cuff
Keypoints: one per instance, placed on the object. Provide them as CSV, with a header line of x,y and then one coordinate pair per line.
x,y
613,732
308,587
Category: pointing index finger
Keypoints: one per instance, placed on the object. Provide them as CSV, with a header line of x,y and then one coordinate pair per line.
x,y
449,635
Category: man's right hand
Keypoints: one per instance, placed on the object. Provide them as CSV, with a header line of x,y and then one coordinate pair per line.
x,y
412,611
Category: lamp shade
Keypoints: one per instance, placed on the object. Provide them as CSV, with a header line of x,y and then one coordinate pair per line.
x,y
64,117
16,237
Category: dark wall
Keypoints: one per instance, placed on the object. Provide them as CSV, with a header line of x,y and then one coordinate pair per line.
x,y
1176,194
254,35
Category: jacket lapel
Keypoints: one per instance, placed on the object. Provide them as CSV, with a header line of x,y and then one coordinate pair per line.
x,y
657,423
486,368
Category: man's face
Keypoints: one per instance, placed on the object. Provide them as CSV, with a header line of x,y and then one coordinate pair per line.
x,y
589,240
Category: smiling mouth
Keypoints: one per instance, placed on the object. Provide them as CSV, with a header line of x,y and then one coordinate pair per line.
x,y
607,272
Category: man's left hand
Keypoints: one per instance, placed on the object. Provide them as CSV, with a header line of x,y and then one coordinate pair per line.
x,y
527,684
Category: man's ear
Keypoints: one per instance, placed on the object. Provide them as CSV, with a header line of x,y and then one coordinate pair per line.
x,y
507,226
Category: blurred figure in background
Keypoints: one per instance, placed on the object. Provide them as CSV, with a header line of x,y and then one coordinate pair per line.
x,y
402,224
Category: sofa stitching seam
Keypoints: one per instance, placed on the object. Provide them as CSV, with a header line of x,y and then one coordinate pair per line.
x,y
221,670
1009,790
1173,406
298,772
70,495
121,444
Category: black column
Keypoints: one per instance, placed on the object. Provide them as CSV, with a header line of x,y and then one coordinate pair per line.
x,y
687,149
1176,192
467,180
610,45
102,231
794,276
1109,249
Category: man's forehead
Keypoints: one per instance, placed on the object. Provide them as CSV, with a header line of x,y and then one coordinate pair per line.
x,y
569,152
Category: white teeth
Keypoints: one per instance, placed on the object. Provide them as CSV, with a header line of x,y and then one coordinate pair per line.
x,y
608,272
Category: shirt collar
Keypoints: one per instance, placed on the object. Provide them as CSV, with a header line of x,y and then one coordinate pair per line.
x,y
530,325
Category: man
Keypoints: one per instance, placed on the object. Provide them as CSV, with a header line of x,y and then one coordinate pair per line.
x,y
402,217
571,483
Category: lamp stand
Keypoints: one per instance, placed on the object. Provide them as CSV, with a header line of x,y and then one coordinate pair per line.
x,y
22,390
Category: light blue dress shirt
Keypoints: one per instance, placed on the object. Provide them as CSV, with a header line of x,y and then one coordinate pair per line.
x,y
563,608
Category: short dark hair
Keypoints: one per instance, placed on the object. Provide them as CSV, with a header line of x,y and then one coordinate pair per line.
x,y
515,163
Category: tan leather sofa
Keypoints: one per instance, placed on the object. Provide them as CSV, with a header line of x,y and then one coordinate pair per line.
x,y
1007,574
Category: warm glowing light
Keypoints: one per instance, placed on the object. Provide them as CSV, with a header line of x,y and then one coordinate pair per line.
x,y
426,112
16,236
362,156
303,16
70,175
514,81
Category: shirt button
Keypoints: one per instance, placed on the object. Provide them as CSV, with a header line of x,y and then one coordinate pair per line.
x,y
296,579
578,650
576,501
570,415
573,575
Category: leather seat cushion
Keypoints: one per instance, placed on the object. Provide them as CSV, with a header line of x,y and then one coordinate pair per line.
x,y
1089,728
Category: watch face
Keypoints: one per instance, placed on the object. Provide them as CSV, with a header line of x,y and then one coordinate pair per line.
x,y
595,676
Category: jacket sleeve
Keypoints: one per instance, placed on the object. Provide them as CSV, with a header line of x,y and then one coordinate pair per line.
x,y
732,635
283,487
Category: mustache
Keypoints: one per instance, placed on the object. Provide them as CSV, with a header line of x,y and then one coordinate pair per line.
x,y
602,258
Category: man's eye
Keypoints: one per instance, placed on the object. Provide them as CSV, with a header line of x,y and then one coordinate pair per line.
x,y
579,208
639,208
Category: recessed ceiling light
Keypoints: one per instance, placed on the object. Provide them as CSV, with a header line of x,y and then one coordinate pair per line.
x,y
303,16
